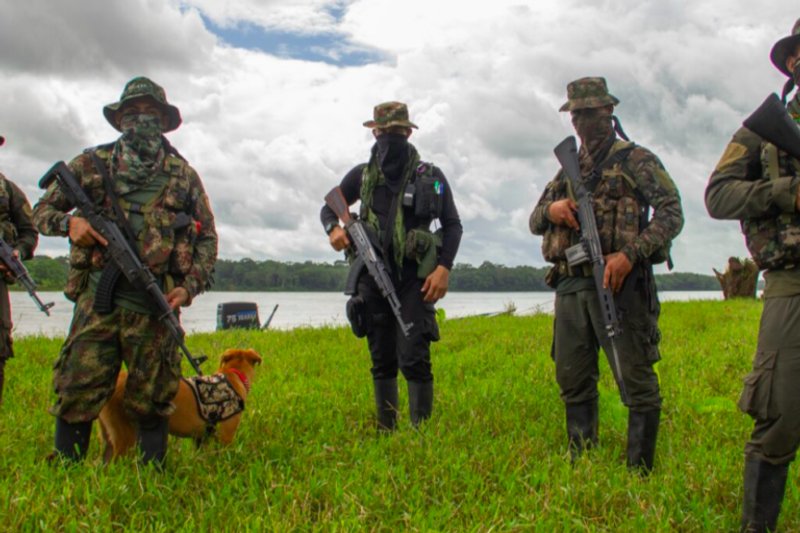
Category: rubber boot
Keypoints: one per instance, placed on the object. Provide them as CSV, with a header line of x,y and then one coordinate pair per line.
x,y
420,401
152,439
71,441
386,403
642,435
764,485
581,427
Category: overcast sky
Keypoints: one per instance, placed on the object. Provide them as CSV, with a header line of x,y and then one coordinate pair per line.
x,y
273,94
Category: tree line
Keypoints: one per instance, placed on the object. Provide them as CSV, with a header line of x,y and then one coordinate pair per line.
x,y
250,275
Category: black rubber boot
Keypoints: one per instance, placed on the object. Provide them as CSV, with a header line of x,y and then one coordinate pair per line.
x,y
386,403
420,401
72,440
764,485
642,435
581,427
152,439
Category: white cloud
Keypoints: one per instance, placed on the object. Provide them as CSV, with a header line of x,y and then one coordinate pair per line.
x,y
270,136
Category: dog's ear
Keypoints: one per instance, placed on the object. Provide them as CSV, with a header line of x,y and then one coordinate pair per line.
x,y
228,356
253,357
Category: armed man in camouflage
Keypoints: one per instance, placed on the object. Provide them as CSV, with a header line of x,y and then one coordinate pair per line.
x,y
759,185
400,197
626,180
16,229
168,218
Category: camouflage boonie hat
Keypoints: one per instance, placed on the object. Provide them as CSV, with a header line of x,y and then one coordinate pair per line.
x,y
142,87
588,92
784,47
389,114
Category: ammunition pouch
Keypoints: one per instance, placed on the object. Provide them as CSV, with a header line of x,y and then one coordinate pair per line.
x,y
423,247
428,193
356,310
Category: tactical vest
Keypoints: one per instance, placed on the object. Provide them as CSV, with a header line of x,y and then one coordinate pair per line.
x,y
620,210
774,241
166,241
8,231
421,194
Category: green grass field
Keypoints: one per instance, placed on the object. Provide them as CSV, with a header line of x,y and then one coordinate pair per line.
x,y
493,457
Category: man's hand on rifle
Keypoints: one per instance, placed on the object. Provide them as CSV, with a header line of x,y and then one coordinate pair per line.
x,y
338,239
177,297
435,286
6,272
83,234
617,269
562,213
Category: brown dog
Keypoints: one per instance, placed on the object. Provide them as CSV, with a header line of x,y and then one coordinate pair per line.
x,y
238,369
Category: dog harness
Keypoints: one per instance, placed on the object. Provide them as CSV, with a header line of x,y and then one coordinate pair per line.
x,y
216,398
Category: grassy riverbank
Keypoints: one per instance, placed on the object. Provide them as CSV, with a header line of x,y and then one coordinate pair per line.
x,y
493,456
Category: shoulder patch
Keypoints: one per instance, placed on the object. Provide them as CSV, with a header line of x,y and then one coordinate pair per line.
x,y
733,152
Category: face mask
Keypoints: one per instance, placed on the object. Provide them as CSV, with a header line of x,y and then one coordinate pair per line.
x,y
796,73
593,126
392,154
141,133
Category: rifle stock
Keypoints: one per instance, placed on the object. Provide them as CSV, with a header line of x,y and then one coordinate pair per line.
x,y
120,254
773,123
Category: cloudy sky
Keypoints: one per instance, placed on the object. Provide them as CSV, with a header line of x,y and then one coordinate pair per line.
x,y
273,94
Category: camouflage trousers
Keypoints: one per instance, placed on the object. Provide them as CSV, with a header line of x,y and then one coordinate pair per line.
x,y
85,373
771,395
6,346
579,333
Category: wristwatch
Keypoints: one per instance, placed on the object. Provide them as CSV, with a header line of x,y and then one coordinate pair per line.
x,y
329,227
64,224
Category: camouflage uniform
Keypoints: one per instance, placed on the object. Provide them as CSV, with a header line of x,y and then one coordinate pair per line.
x,y
16,229
757,184
180,254
411,252
627,180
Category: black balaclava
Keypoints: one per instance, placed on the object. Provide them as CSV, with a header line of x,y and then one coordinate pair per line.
x,y
392,156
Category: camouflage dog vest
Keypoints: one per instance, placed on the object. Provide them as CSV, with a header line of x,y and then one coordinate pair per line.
x,y
216,398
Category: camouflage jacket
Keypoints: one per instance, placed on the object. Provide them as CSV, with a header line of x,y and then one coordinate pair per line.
x,y
638,178
16,224
756,183
186,252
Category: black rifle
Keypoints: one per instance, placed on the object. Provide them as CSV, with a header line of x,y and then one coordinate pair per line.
x,y
773,123
22,275
120,256
589,250
366,254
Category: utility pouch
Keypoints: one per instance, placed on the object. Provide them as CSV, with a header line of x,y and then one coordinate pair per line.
x,y
356,310
428,197
408,195
423,247
576,255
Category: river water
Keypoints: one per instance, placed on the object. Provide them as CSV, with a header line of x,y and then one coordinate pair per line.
x,y
299,308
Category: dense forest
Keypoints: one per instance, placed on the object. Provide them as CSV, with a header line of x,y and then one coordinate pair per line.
x,y
250,275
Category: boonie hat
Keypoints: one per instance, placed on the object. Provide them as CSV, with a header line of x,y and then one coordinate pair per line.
x,y
139,88
390,114
586,93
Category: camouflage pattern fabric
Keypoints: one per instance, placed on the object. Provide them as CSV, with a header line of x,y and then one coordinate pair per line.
x,y
16,219
186,253
85,373
756,183
617,208
390,114
216,398
139,88
586,93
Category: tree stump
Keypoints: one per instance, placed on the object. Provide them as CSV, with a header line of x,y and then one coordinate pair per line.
x,y
739,279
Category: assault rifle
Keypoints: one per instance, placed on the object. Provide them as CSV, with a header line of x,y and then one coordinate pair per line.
x,y
121,257
21,275
772,123
366,254
589,250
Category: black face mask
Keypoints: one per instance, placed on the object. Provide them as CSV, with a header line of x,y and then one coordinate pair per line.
x,y
392,153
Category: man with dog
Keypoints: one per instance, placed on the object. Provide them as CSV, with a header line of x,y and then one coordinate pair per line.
x,y
626,181
17,230
758,183
157,199
400,197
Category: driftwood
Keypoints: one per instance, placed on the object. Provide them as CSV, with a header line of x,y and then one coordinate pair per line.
x,y
739,279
